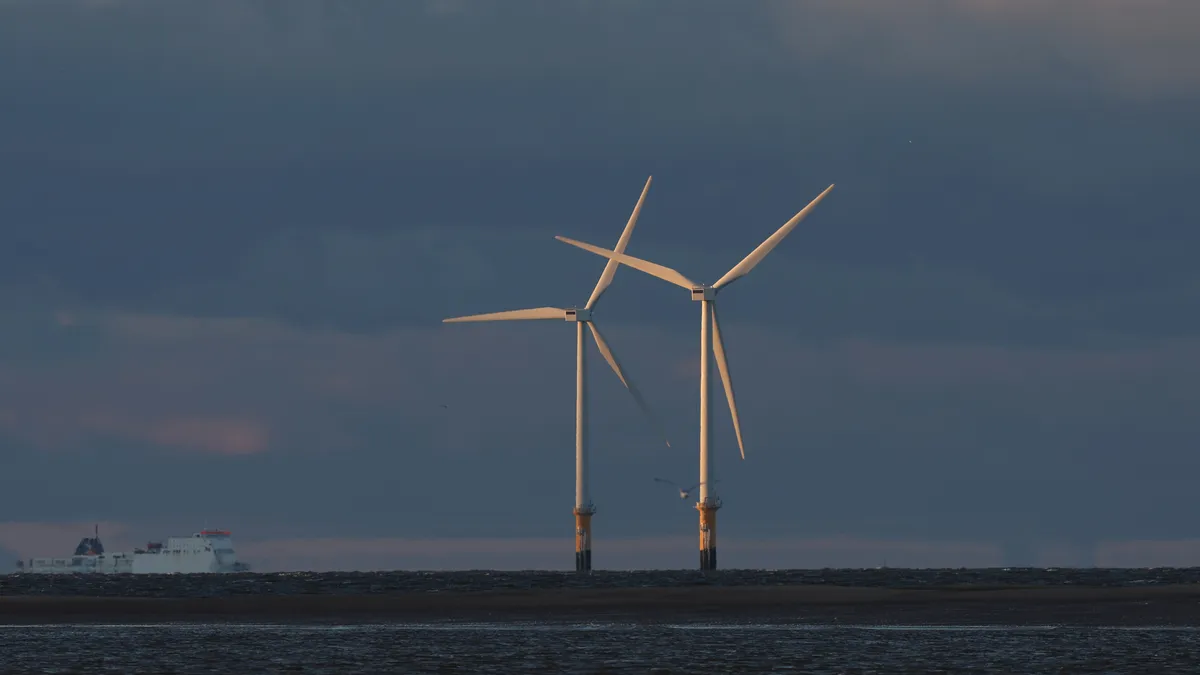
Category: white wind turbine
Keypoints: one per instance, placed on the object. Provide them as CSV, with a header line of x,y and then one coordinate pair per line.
x,y
710,331
584,509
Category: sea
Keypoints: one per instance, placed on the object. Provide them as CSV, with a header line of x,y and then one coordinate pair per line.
x,y
678,645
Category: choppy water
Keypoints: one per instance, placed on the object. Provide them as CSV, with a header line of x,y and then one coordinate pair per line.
x,y
595,648
566,647
356,583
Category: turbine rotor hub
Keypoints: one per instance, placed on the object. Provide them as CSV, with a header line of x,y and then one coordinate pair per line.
x,y
578,315
702,293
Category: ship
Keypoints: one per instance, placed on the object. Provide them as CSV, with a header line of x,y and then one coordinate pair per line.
x,y
205,552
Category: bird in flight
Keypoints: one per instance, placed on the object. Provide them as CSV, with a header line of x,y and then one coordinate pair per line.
x,y
683,494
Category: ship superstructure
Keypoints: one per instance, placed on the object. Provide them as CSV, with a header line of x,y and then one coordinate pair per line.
x,y
205,552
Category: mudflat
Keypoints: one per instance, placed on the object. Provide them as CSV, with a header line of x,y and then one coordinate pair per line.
x,y
808,603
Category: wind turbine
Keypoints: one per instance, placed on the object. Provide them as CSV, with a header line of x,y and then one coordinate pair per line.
x,y
584,509
710,331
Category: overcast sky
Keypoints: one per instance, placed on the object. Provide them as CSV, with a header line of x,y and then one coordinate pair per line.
x,y
229,231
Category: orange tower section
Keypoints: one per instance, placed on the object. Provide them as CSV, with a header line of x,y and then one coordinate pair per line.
x,y
583,540
708,536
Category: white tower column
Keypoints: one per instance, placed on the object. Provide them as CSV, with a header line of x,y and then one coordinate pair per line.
x,y
581,420
706,467
708,502
583,502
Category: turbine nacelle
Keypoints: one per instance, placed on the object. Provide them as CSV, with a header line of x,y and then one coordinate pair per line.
x,y
702,293
577,315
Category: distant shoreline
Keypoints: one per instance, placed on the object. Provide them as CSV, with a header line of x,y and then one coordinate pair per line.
x,y
1145,605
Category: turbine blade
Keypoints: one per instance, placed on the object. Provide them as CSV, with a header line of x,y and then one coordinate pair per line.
x,y
665,273
749,262
610,269
514,315
723,367
637,395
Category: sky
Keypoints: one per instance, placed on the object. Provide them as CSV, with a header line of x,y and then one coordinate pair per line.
x,y
229,232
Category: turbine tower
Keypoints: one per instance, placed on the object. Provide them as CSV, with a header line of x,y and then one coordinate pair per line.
x,y
584,509
710,332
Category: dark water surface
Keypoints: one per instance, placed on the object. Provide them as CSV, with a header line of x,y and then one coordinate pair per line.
x,y
595,648
357,583
688,644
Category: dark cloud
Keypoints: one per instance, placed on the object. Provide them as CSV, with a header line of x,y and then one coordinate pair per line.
x,y
230,231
